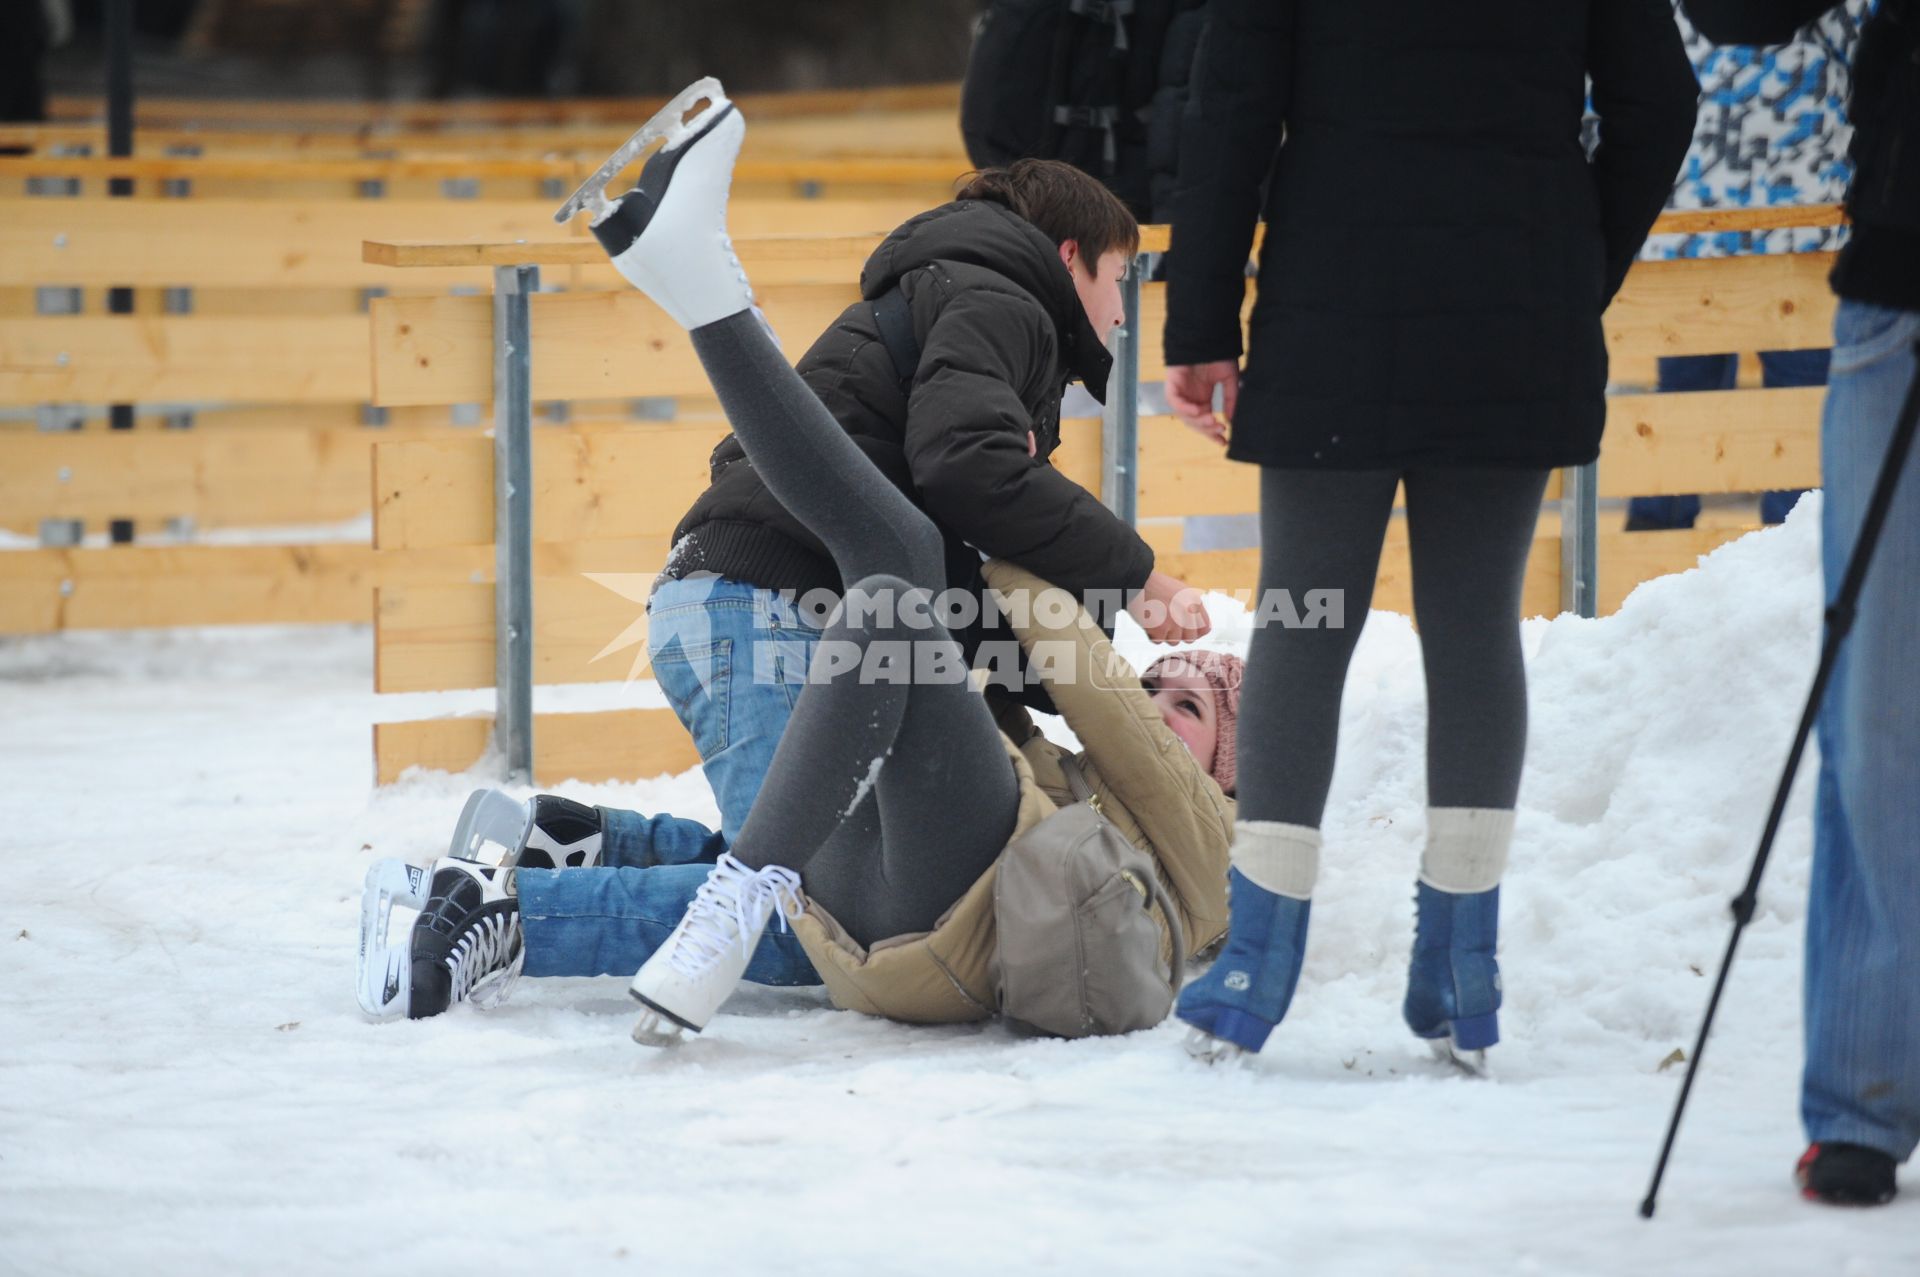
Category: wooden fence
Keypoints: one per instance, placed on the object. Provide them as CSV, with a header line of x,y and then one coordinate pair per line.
x,y
602,500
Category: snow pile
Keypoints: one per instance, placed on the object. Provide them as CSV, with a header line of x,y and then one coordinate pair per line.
x,y
186,1084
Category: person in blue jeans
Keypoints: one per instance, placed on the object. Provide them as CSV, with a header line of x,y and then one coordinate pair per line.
x,y
1682,373
1772,129
1860,1089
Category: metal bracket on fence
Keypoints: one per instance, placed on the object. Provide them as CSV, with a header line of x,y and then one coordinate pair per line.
x,y
1120,420
513,287
1580,540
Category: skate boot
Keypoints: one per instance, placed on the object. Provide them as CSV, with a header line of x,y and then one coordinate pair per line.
x,y
689,976
1845,1175
668,235
545,832
466,941
1453,984
1237,1003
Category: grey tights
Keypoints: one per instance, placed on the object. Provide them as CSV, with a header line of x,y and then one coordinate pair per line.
x,y
1470,530
888,797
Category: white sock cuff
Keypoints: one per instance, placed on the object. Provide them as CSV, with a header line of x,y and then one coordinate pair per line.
x,y
1466,848
1277,857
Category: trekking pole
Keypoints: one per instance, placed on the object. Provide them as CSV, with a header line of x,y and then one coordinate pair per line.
x,y
1839,620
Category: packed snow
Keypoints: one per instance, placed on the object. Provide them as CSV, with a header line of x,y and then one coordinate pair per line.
x,y
187,1085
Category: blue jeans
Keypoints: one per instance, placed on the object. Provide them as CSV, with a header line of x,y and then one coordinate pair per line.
x,y
1683,373
1862,1079
732,661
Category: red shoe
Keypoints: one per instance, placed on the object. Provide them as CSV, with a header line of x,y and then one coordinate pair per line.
x,y
1845,1175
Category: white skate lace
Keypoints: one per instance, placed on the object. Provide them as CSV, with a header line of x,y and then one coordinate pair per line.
x,y
728,909
479,964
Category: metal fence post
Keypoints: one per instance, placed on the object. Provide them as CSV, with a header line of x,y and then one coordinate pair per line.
x,y
513,286
1120,420
1580,540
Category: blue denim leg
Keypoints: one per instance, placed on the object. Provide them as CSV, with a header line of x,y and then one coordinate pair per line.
x,y
600,921
731,660
634,839
1862,1079
1784,368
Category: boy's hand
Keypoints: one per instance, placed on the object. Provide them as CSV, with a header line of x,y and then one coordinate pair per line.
x,y
1190,395
1170,610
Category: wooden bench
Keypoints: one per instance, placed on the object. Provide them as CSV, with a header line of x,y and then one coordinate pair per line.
x,y
602,501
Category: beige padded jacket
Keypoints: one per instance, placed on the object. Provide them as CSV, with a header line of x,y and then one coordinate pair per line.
x,y
1146,783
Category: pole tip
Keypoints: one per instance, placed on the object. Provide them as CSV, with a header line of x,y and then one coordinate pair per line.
x,y
1646,1209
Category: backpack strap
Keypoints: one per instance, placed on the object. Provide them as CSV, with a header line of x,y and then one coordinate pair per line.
x,y
1077,780
895,322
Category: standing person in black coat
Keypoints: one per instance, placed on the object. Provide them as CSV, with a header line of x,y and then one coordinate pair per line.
x,y
1439,250
1860,1093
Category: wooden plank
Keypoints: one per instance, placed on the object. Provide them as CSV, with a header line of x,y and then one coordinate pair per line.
x,y
918,133
1714,306
586,345
1711,441
130,587
214,243
110,359
591,483
212,113
1630,559
878,173
218,478
588,628
598,345
1237,572
630,744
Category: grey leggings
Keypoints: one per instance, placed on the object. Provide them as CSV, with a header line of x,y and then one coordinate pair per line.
x,y
889,798
1470,530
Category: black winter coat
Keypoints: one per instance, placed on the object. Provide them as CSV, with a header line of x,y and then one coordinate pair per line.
x,y
1439,246
1001,332
1881,261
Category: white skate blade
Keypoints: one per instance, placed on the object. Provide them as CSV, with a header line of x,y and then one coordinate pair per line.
x,y
384,974
1472,1063
490,817
1208,1049
656,1028
666,123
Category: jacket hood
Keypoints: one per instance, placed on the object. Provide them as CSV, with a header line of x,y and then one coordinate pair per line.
x,y
988,235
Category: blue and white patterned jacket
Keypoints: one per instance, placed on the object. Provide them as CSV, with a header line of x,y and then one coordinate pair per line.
x,y
1772,130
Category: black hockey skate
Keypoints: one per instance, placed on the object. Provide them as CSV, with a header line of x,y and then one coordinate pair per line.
x,y
466,942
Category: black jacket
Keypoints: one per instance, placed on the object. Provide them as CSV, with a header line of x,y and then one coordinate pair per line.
x,y
1001,332
1881,262
1439,247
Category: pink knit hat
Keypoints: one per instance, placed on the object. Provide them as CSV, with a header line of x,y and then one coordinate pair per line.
x,y
1223,672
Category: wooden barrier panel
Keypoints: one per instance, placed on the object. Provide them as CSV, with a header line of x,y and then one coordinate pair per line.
x,y
211,244
921,134
183,359
218,478
159,111
611,745
324,178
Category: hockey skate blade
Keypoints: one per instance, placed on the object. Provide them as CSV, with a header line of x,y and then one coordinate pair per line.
x,y
666,124
384,974
1208,1049
490,817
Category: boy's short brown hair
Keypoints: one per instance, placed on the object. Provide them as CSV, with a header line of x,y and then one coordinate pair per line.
x,y
1062,202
